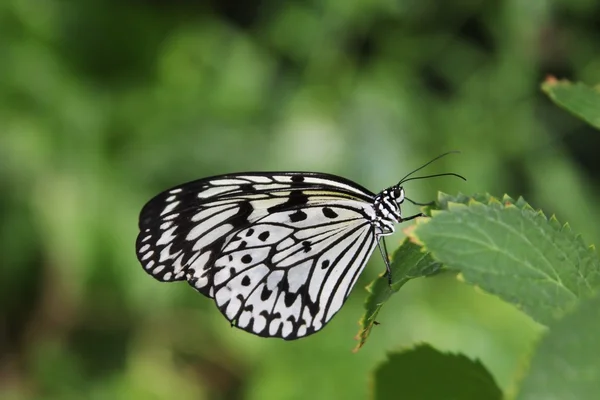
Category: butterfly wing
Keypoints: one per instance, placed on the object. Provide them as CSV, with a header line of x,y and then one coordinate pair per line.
x,y
278,252
293,284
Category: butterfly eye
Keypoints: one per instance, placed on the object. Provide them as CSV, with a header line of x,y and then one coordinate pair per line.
x,y
399,194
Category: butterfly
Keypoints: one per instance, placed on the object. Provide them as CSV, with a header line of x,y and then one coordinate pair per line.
x,y
278,252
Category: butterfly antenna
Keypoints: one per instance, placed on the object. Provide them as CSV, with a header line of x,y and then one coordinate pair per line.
x,y
432,176
419,204
426,164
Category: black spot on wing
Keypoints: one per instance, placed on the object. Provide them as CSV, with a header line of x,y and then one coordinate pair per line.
x,y
306,246
329,213
247,259
298,216
250,232
265,294
290,298
241,218
296,198
325,264
246,281
297,178
247,188
264,236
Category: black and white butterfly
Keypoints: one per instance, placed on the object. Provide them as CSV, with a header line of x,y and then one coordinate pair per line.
x,y
279,252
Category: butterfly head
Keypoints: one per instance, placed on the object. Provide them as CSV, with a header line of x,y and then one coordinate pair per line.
x,y
397,193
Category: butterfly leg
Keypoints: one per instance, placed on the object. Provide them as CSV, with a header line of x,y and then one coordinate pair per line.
x,y
384,252
386,259
412,217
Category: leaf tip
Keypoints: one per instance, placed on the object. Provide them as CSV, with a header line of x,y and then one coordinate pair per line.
x,y
506,199
550,79
550,82
360,335
592,248
494,201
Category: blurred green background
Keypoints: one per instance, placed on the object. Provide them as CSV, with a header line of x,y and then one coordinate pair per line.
x,y
105,103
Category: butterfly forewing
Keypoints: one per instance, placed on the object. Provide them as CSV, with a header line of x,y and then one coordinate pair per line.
x,y
279,253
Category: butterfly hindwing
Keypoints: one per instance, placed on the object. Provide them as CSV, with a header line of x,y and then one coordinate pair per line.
x,y
295,301
286,277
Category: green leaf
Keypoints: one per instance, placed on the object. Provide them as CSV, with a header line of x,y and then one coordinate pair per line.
x,y
566,364
425,373
408,262
577,98
508,249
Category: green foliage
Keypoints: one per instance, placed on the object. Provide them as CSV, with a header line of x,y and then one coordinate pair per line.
x,y
577,98
424,373
408,262
503,247
510,250
566,364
